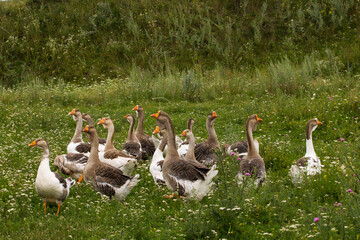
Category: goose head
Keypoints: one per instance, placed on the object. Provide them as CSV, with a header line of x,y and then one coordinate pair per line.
x,y
105,121
89,129
86,117
130,118
311,126
161,119
211,118
159,132
40,143
76,114
187,133
253,121
138,108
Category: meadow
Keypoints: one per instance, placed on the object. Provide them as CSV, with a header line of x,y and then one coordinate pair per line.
x,y
287,61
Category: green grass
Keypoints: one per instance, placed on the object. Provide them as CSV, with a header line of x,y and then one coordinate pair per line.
x,y
285,96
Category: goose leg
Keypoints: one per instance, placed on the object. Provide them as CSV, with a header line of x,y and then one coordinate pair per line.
x,y
58,209
45,207
82,176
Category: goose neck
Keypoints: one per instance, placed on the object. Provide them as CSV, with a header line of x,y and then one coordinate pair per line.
x,y
77,136
110,138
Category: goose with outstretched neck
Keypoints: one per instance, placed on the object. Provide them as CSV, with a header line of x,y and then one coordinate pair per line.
x,y
204,151
113,156
51,186
77,145
132,145
103,177
190,154
186,177
102,142
252,164
147,146
309,164
158,157
183,148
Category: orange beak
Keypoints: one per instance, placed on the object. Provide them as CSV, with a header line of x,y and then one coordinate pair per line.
x,y
135,108
214,115
318,122
72,112
82,115
102,121
32,143
86,129
258,119
155,115
126,115
183,133
156,130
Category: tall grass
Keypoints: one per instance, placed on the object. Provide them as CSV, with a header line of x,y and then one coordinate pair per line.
x,y
84,41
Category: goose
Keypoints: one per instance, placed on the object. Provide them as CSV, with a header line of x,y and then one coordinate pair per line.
x,y
102,142
51,186
132,145
77,145
252,164
147,145
310,163
204,151
103,177
158,158
71,164
185,145
188,178
113,156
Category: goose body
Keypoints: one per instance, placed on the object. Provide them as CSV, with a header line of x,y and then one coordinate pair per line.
x,y
252,164
77,145
113,156
132,145
103,177
204,151
310,164
158,159
188,178
51,186
147,146
102,142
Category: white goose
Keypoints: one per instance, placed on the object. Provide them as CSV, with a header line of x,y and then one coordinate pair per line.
x,y
113,156
51,186
310,163
77,145
188,178
158,158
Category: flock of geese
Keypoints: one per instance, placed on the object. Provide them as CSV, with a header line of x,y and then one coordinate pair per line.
x,y
187,168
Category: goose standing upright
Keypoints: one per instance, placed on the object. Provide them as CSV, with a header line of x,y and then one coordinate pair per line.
x,y
158,158
102,142
132,145
188,178
113,156
77,145
103,177
183,148
147,145
310,163
253,163
51,186
204,151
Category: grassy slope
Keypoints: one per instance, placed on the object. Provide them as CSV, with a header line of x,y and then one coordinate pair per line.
x,y
278,208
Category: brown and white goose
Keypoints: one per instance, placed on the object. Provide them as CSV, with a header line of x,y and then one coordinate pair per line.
x,y
188,178
103,177
51,186
147,145
113,156
204,151
252,164
77,145
158,158
185,145
309,164
132,145
102,142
